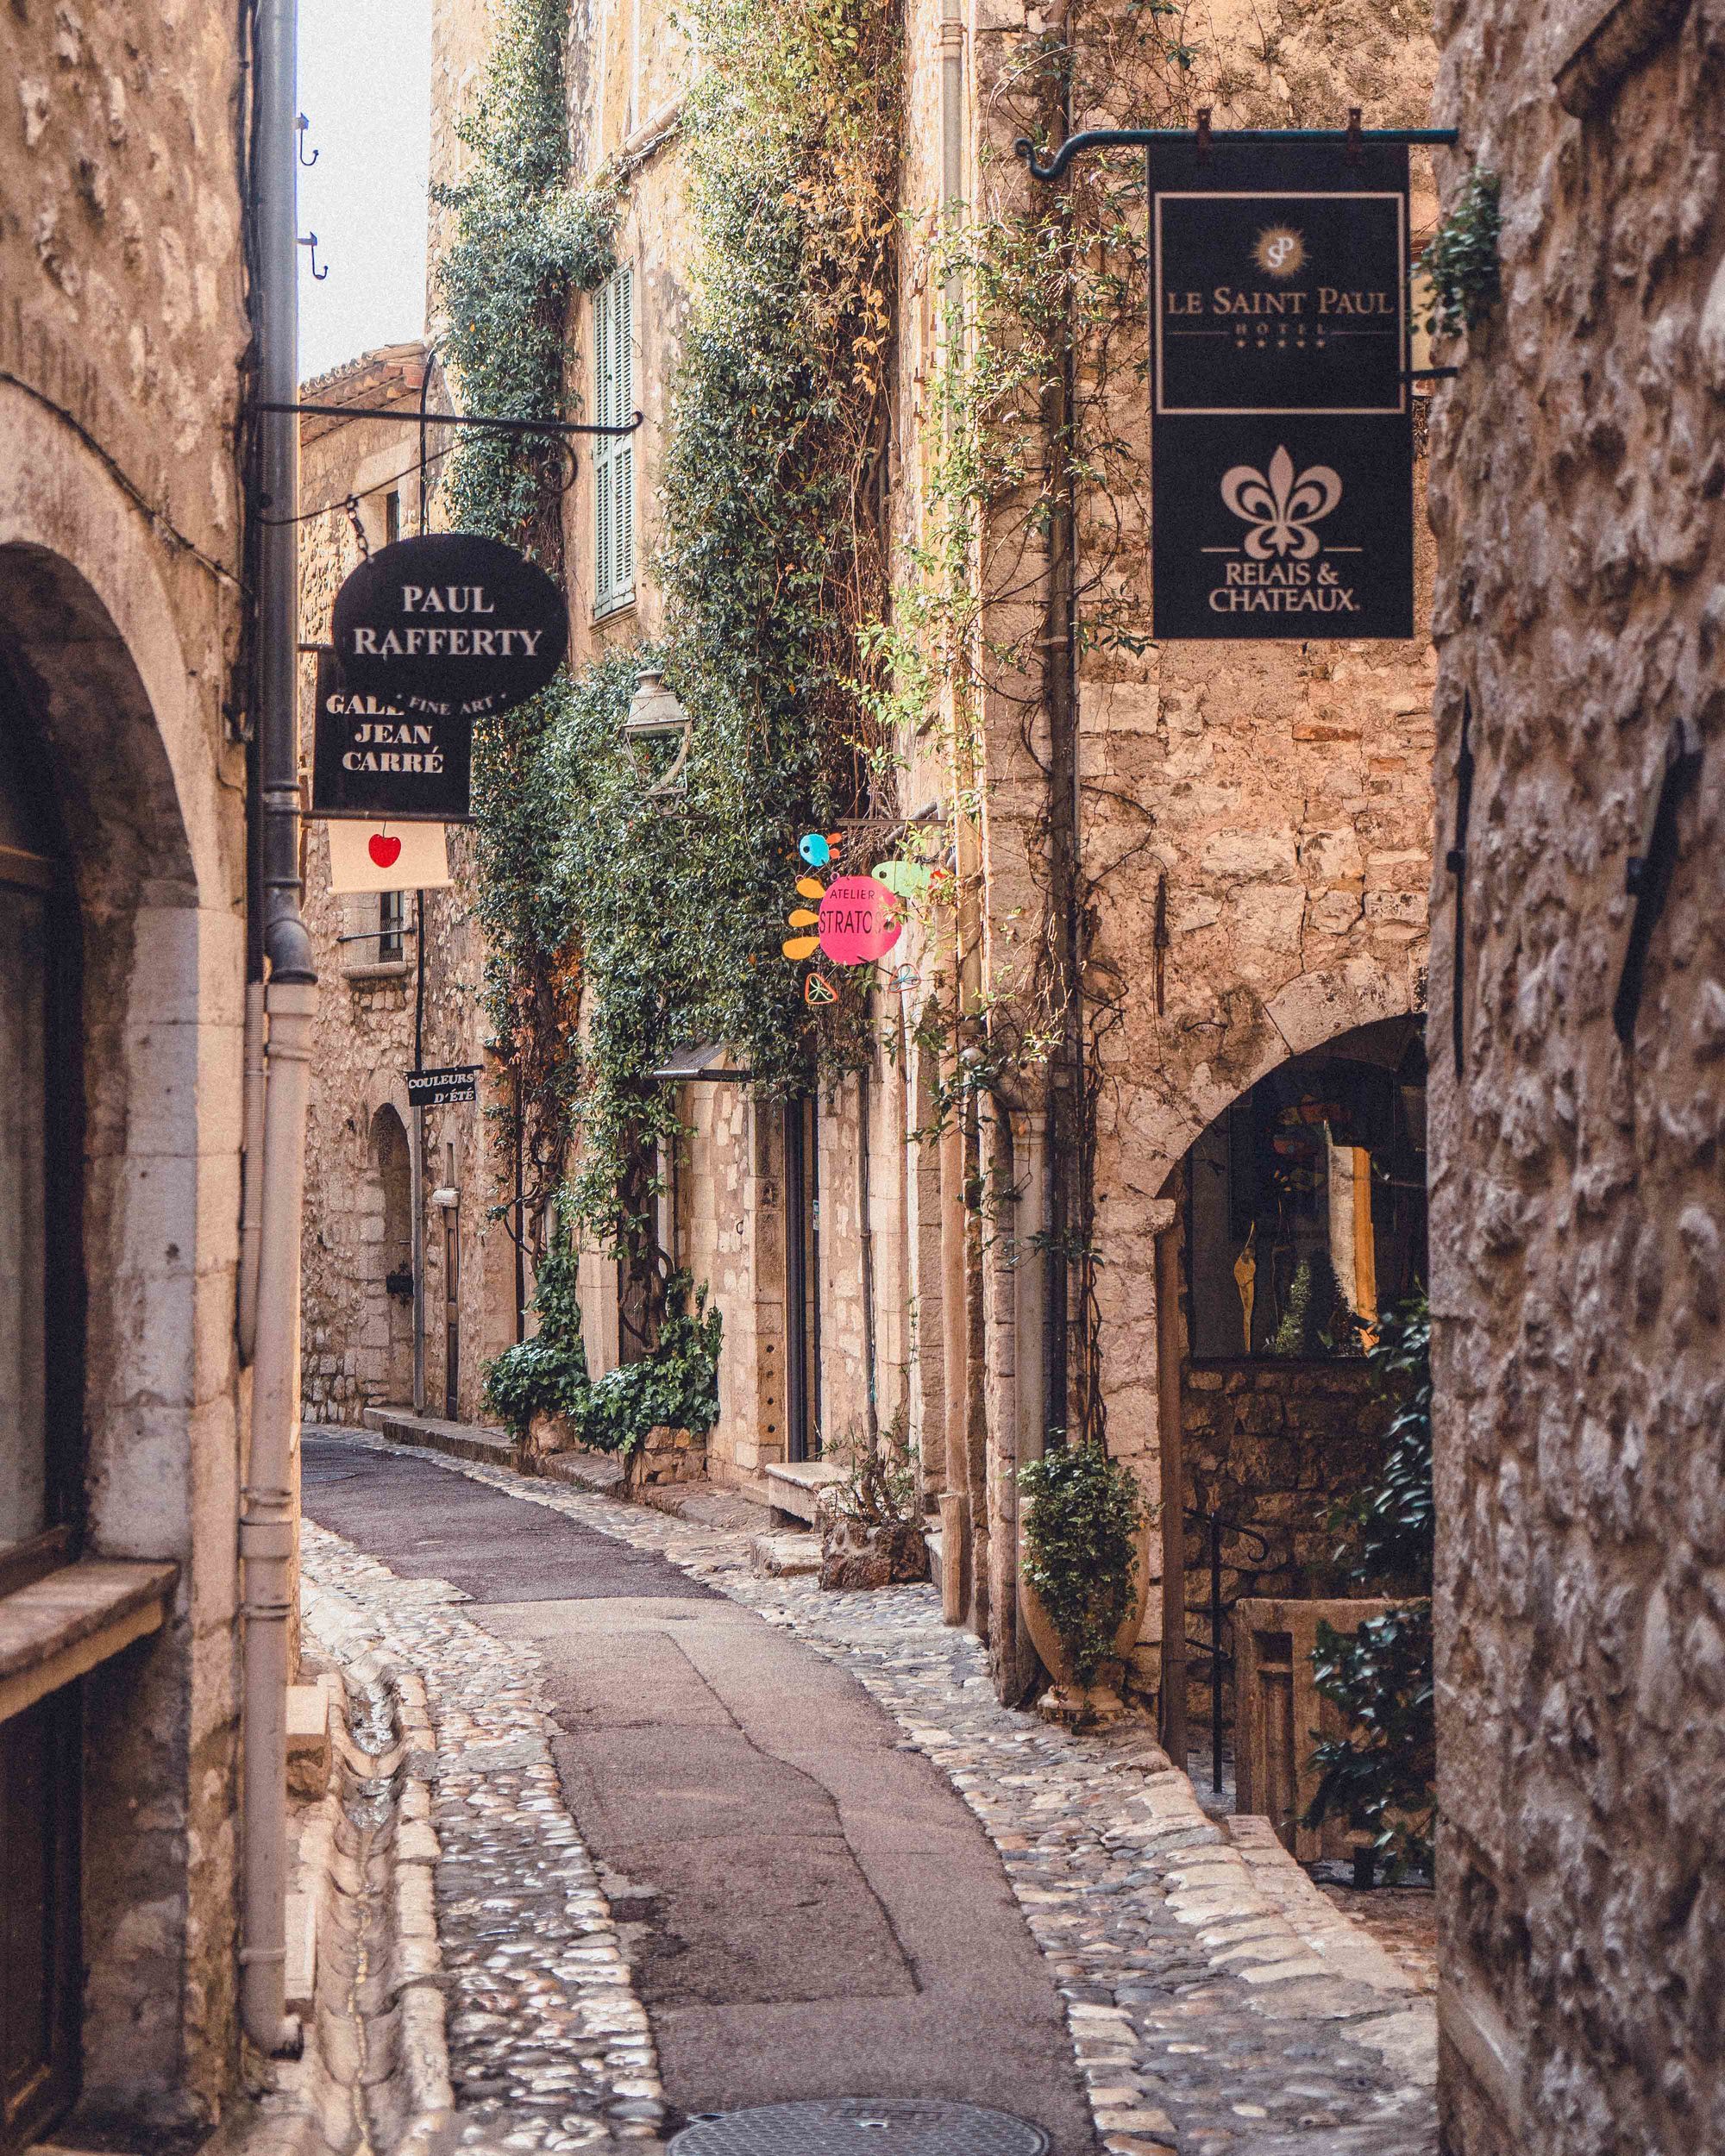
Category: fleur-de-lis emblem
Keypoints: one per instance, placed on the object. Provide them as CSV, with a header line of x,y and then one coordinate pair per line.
x,y
1280,508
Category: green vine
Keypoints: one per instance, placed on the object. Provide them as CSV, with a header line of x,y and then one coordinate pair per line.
x,y
1460,264
524,241
614,930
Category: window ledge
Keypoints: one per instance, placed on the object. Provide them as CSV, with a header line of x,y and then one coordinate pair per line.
x,y
369,976
58,1627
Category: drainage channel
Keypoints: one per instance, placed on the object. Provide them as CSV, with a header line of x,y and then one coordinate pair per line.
x,y
862,2126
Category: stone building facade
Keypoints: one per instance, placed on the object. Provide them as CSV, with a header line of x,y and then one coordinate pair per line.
x,y
1576,482
123,338
1285,794
392,1317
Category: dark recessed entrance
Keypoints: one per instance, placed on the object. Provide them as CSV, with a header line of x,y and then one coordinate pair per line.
x,y
862,2126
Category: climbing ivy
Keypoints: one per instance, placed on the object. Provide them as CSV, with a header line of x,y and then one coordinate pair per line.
x,y
1463,277
614,928
524,242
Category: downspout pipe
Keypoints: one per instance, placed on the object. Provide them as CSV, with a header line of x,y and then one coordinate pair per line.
x,y
266,1520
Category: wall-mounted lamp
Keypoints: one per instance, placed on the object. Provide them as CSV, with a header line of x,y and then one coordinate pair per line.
x,y
656,715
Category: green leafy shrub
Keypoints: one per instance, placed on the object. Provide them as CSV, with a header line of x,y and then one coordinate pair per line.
x,y
676,1384
1460,262
547,1374
1380,1773
1080,1528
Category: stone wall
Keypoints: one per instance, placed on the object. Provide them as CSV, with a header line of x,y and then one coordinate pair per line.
x,y
122,341
1576,476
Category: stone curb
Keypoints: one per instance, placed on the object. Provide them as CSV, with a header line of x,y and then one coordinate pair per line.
x,y
417,2095
373,1606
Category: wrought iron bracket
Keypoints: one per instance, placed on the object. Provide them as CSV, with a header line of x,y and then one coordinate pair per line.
x,y
1350,140
1647,874
449,418
319,274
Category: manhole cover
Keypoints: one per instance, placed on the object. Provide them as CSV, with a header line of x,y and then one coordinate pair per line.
x,y
862,2126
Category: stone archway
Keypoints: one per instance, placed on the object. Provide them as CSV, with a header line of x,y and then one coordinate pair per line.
x,y
130,739
1299,1221
386,1229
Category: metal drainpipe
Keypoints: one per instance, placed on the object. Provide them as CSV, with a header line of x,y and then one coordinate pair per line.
x,y
415,1169
290,1003
865,1224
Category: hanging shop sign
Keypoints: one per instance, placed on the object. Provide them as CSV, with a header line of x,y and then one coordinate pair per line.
x,y
859,920
1282,421
386,856
371,760
449,1086
449,625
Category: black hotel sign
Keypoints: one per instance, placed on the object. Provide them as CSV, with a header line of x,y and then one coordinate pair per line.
x,y
1282,426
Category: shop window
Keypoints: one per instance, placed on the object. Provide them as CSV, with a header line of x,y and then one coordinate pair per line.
x,y
1307,1203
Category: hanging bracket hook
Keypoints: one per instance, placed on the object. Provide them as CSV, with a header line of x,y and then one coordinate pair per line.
x,y
300,127
320,274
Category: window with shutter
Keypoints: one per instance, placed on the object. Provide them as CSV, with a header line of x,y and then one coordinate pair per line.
x,y
614,455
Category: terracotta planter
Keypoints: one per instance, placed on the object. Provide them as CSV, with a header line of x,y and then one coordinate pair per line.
x,y
1066,1700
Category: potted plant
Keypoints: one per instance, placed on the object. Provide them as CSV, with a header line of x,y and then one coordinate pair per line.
x,y
1083,1575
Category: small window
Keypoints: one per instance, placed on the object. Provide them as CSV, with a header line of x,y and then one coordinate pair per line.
x,y
392,517
391,914
613,314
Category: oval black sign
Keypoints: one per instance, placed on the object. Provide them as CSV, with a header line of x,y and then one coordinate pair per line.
x,y
451,624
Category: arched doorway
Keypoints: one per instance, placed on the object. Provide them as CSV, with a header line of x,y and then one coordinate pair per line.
x,y
1302,1221
113,747
40,1424
388,1325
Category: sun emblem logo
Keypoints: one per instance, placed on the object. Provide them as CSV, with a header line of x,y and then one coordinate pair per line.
x,y
1280,251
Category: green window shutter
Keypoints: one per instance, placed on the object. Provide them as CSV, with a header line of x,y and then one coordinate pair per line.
x,y
622,467
614,455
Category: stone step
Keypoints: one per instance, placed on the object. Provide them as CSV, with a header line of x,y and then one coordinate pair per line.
x,y
794,1485
788,1555
461,1440
308,1741
302,1953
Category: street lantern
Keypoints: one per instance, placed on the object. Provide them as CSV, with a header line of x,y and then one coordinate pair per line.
x,y
656,715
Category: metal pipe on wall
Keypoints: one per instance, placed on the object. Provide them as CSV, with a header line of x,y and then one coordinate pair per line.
x,y
266,1522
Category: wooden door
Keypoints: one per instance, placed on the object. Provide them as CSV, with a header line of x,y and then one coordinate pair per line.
x,y
39,1929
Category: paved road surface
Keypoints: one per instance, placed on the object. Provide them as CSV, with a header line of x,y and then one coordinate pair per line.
x,y
820,1913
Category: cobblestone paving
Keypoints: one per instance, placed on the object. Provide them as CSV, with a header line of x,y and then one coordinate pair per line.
x,y
549,2048
1219,2005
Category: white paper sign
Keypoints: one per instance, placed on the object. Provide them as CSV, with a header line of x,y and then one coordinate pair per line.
x,y
387,856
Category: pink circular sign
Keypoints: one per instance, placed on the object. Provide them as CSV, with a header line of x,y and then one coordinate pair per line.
x,y
860,919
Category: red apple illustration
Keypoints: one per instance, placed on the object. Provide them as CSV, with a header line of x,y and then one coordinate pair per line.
x,y
383,849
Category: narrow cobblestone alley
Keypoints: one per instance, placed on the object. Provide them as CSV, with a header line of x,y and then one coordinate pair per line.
x,y
681,1849
807,1908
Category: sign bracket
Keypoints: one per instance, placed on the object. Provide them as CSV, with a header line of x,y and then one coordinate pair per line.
x,y
449,419
1350,138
